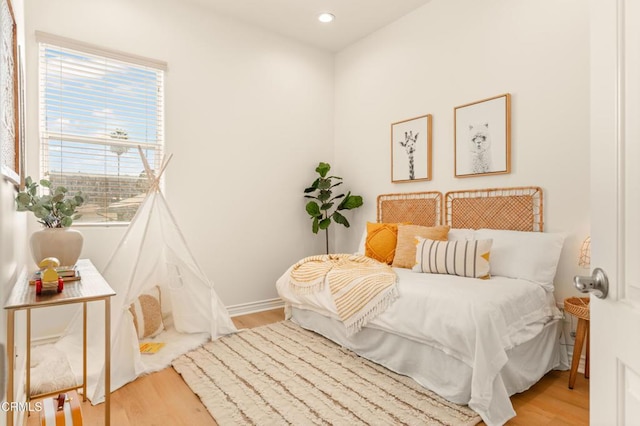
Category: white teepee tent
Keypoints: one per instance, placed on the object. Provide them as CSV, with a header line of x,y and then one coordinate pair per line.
x,y
152,253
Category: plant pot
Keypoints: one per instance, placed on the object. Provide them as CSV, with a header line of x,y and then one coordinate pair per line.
x,y
62,243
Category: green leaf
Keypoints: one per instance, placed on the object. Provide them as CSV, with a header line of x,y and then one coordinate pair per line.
x,y
66,221
23,199
45,183
336,184
324,184
28,181
313,186
57,198
324,223
40,212
350,202
326,206
315,226
324,195
79,199
339,218
313,209
323,169
337,197
60,190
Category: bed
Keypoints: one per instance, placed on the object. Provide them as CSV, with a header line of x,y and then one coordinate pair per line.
x,y
473,341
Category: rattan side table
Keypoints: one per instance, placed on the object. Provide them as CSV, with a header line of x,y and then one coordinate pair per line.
x,y
579,307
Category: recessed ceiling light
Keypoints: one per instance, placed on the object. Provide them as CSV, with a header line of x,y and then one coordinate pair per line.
x,y
326,17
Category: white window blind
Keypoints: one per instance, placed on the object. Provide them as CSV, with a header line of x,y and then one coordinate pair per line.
x,y
95,110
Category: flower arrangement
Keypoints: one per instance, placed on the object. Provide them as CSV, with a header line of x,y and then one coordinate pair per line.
x,y
55,209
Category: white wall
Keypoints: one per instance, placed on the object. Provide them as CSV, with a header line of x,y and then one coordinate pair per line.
x,y
248,116
13,253
452,52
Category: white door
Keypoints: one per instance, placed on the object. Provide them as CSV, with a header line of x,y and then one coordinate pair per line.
x,y
615,211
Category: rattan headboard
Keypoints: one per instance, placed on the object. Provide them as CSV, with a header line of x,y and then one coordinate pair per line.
x,y
418,208
518,209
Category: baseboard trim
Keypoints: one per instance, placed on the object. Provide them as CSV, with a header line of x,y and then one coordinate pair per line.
x,y
253,307
45,340
234,311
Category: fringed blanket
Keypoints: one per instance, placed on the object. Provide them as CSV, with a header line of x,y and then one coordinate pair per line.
x,y
360,286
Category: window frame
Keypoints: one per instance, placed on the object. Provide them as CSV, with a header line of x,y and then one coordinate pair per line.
x,y
46,40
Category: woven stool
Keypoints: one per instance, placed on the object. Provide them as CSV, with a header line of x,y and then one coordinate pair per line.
x,y
579,307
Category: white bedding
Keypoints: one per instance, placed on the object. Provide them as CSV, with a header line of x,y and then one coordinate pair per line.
x,y
474,321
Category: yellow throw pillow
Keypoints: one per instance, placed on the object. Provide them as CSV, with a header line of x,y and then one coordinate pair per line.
x,y
147,314
406,247
463,258
381,241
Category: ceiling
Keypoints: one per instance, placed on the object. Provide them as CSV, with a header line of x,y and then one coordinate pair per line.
x,y
298,19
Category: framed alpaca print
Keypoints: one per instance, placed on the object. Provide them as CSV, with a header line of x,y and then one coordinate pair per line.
x,y
411,149
482,137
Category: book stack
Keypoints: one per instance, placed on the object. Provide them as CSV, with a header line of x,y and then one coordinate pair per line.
x,y
68,274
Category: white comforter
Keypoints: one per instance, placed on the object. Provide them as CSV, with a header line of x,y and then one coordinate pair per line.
x,y
473,320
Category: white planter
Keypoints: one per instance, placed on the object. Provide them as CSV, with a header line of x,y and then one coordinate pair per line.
x,y
62,243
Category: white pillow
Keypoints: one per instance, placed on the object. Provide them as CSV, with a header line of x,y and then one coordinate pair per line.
x,y
531,256
464,234
363,243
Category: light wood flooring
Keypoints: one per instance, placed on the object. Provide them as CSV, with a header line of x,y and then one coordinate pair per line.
x,y
163,399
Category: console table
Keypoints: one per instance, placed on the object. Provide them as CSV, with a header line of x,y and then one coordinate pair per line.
x,y
91,287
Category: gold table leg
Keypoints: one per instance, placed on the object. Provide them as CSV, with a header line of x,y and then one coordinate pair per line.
x,y
27,389
84,351
10,361
107,361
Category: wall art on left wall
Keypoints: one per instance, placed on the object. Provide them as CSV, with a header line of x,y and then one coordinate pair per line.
x,y
411,149
9,106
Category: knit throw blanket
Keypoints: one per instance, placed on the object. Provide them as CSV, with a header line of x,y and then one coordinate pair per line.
x,y
361,287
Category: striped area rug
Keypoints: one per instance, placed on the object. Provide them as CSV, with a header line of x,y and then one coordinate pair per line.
x,y
282,374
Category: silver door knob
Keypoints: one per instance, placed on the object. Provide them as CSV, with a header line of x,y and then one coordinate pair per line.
x,y
597,283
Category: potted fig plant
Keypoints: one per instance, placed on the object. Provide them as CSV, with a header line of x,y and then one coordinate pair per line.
x,y
56,210
325,207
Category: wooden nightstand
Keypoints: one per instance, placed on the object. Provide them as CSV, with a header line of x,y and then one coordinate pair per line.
x,y
579,307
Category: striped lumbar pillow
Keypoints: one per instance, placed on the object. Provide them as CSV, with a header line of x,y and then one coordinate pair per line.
x,y
464,258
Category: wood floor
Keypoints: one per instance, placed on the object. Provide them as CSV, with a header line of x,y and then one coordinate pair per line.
x,y
163,399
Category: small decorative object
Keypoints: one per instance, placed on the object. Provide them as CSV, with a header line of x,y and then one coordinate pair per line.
x,y
64,409
49,278
320,210
56,210
483,137
411,149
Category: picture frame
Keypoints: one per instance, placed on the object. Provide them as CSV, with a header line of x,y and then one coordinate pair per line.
x,y
10,135
482,137
411,149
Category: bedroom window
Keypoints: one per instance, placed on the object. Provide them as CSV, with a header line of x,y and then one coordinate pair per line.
x,y
96,108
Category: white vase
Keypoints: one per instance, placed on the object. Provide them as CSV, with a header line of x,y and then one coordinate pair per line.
x,y
62,243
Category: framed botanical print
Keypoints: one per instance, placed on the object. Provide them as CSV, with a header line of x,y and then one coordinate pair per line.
x,y
483,137
411,149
